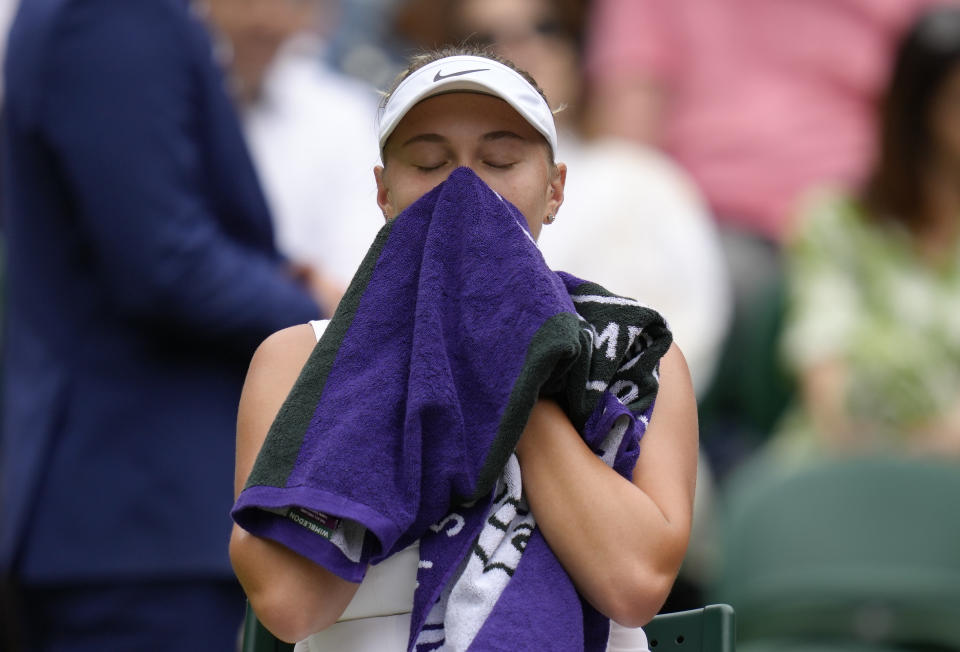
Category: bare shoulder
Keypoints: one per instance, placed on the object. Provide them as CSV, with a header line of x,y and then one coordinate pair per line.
x,y
675,372
676,401
276,364
667,465
274,369
285,348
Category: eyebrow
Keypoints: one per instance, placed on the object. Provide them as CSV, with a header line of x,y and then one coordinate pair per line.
x,y
437,138
424,138
497,135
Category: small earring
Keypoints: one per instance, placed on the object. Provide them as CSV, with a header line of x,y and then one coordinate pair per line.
x,y
550,218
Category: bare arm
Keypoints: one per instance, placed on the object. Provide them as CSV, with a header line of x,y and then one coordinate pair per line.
x,y
822,390
940,436
621,542
292,596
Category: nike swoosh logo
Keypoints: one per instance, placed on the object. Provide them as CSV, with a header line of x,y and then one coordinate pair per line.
x,y
440,75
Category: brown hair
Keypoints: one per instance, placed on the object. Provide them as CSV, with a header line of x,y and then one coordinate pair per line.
x,y
435,23
928,53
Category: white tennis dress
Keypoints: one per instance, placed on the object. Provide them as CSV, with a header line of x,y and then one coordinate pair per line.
x,y
378,617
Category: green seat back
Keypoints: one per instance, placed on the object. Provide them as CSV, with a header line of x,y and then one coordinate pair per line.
x,y
859,550
710,629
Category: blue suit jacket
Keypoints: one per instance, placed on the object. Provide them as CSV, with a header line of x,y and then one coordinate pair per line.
x,y
141,274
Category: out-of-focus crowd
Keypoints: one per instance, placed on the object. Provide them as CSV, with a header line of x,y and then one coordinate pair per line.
x,y
779,178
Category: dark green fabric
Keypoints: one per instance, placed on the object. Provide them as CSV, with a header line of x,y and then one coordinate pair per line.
x,y
291,422
560,328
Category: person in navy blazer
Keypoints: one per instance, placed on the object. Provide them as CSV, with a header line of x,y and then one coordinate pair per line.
x,y
141,275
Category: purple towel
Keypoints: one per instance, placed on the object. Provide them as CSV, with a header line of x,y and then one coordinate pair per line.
x,y
411,404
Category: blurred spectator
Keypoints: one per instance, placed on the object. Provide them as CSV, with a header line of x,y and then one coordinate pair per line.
x,y
363,45
141,274
7,8
310,130
874,324
758,99
631,220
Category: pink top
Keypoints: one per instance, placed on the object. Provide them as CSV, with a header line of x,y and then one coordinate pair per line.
x,y
764,97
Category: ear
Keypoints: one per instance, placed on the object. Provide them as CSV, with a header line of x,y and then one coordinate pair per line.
x,y
383,194
555,186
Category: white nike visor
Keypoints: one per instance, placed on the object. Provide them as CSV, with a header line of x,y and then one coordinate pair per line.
x,y
468,73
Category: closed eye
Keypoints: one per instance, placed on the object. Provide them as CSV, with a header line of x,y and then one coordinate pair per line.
x,y
499,166
430,168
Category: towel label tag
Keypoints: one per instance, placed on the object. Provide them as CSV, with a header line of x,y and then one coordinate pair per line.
x,y
316,522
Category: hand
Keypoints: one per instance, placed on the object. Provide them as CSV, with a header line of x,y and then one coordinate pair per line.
x,y
940,437
325,291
